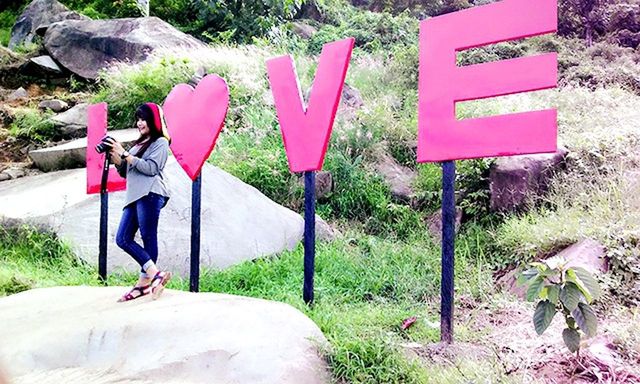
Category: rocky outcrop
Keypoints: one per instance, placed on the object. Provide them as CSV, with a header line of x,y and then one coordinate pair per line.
x,y
87,46
238,222
76,335
513,180
39,15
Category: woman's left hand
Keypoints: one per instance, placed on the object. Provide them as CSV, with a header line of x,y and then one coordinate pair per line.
x,y
117,147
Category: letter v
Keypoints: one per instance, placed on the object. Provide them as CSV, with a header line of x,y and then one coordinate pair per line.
x,y
306,132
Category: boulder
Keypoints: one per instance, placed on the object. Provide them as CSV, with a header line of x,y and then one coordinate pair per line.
x,y
351,97
72,123
434,224
587,254
324,184
303,30
76,335
18,94
513,180
39,14
41,66
238,222
87,46
398,177
324,231
74,153
54,105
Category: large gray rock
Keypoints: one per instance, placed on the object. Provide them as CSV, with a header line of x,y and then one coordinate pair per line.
x,y
238,222
54,105
513,180
39,14
303,30
76,335
72,123
87,46
324,184
587,254
42,66
74,153
434,224
18,94
398,177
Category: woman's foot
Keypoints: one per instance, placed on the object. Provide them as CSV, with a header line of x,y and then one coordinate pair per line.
x,y
158,282
135,292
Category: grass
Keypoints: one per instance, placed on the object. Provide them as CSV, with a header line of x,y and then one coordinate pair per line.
x,y
365,286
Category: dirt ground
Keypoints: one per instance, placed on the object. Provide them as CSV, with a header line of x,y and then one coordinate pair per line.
x,y
504,333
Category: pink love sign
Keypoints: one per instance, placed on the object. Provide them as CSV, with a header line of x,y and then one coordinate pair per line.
x,y
96,130
306,131
441,83
194,119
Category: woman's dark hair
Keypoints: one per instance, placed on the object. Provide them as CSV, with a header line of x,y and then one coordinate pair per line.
x,y
145,113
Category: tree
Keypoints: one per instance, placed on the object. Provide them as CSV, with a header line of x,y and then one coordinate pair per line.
x,y
581,18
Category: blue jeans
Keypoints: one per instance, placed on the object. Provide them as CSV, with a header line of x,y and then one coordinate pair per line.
x,y
142,214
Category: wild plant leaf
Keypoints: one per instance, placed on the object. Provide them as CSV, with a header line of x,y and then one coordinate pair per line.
x,y
527,275
570,296
572,277
543,316
534,288
553,293
555,262
586,319
571,339
538,265
589,282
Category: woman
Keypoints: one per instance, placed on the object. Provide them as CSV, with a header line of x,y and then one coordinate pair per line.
x,y
147,193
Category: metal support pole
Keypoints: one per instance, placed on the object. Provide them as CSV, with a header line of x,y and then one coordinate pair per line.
x,y
448,250
196,189
309,235
104,219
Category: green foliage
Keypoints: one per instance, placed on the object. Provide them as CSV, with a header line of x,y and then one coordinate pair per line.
x,y
361,195
240,19
261,164
564,289
103,9
7,19
372,31
34,257
150,82
33,125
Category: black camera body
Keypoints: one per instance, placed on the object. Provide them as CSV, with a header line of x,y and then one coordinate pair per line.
x,y
104,144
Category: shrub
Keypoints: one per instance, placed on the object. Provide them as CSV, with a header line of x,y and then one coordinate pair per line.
x,y
372,31
33,125
568,290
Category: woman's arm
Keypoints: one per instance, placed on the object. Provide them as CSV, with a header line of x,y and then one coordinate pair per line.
x,y
156,158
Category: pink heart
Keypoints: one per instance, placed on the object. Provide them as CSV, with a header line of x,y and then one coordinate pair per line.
x,y
194,119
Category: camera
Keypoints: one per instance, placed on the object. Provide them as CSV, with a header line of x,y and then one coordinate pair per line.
x,y
104,145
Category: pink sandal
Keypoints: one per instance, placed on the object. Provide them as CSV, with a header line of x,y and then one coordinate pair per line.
x,y
143,291
158,282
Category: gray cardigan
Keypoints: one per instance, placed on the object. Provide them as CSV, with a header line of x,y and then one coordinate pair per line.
x,y
146,174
